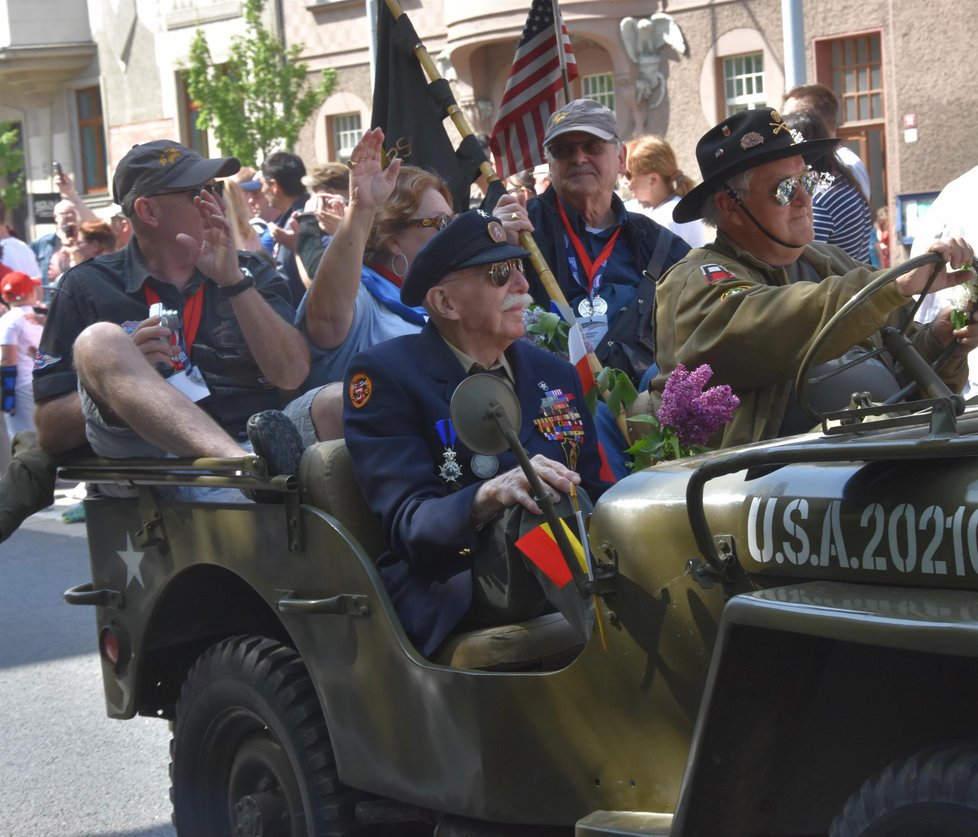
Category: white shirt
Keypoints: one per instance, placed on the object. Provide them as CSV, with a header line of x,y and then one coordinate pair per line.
x,y
694,233
18,256
852,161
954,212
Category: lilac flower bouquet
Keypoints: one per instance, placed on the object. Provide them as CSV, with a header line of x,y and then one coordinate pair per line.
x,y
688,417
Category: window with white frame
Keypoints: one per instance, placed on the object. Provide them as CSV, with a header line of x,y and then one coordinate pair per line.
x,y
600,87
743,82
346,133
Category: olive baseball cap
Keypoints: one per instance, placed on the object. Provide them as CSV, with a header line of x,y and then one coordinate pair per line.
x,y
163,165
585,115
471,239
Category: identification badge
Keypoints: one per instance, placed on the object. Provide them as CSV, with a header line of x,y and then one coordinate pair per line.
x,y
592,306
191,383
594,329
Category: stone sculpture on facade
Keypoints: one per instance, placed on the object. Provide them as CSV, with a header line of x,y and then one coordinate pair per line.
x,y
644,38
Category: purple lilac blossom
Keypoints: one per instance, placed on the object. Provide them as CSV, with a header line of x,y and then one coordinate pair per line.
x,y
693,414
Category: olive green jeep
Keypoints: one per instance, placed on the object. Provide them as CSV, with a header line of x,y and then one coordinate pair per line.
x,y
790,633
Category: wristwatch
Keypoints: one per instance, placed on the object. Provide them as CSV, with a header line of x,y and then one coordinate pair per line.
x,y
248,281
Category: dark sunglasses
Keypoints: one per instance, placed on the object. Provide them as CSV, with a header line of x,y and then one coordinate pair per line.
x,y
499,272
439,222
787,189
565,150
214,188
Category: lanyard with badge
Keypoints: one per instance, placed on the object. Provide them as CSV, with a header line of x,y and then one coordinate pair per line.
x,y
593,309
186,377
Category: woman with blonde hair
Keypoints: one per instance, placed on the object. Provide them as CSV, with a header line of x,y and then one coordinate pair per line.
x,y
657,183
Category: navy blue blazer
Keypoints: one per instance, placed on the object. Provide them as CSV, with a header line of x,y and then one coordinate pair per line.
x,y
403,387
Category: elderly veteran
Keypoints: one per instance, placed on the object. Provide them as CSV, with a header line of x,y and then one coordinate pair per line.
x,y
751,303
436,497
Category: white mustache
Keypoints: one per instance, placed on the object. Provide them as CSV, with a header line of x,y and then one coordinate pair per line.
x,y
516,301
584,168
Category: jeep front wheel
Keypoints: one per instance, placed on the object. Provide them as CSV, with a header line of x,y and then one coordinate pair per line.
x,y
250,753
934,793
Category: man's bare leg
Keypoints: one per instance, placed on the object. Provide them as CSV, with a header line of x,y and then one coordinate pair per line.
x,y
118,377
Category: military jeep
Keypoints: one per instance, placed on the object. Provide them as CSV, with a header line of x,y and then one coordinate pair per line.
x,y
789,641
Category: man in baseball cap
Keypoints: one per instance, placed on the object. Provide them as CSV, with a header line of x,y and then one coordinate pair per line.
x,y
598,251
751,303
171,344
161,166
435,497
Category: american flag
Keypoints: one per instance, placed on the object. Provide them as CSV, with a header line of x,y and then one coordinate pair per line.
x,y
531,91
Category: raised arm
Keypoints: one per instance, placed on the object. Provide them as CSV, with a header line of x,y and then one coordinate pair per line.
x,y
277,346
329,306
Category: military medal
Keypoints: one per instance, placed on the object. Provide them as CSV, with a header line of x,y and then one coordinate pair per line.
x,y
450,470
484,466
560,422
592,306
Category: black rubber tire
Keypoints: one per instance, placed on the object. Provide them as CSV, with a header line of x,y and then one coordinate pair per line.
x,y
931,794
249,732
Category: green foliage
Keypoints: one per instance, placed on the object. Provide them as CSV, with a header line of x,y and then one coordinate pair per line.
x,y
659,444
259,100
11,166
547,330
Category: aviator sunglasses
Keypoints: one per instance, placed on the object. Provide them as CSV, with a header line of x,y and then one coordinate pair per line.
x,y
499,272
785,191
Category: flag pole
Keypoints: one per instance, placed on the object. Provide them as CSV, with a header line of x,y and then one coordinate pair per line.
x,y
526,238
561,58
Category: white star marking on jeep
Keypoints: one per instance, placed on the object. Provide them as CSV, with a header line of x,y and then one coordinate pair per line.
x,y
132,559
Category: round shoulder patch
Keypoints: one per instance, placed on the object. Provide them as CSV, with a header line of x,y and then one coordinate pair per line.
x,y
361,388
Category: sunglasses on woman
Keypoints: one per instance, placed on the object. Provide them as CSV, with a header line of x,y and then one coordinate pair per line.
x,y
439,222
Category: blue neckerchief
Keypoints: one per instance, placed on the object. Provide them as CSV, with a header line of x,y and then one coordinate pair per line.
x,y
388,295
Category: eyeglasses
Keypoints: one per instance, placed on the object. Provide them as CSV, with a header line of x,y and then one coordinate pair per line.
x,y
499,272
439,222
787,189
565,150
214,188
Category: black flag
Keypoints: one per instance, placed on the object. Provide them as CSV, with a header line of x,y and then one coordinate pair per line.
x,y
411,111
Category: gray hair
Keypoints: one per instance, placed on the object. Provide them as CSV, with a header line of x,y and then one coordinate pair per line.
x,y
739,184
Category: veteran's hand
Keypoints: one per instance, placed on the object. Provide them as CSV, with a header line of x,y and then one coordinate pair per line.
x,y
513,488
955,252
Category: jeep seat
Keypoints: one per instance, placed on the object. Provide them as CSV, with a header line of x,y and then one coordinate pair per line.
x,y
545,643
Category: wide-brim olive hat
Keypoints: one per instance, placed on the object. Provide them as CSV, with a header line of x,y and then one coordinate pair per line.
x,y
743,141
472,238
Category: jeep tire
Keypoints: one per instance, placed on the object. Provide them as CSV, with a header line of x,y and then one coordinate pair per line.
x,y
250,753
933,793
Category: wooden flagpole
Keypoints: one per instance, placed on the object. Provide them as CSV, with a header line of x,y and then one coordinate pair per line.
x,y
526,238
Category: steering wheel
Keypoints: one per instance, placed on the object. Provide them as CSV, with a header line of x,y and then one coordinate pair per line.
x,y
891,336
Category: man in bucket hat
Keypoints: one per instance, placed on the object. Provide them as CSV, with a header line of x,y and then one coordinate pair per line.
x,y
751,303
439,502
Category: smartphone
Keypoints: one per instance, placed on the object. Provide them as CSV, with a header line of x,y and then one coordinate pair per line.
x,y
56,166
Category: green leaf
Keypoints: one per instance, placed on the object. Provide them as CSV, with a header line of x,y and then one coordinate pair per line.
x,y
260,99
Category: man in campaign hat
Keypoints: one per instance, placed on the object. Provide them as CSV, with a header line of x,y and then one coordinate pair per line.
x,y
751,303
435,497
185,379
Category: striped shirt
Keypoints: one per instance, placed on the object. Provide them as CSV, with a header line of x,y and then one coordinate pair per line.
x,y
843,218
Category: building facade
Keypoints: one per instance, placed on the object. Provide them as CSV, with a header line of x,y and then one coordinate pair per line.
x,y
674,68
